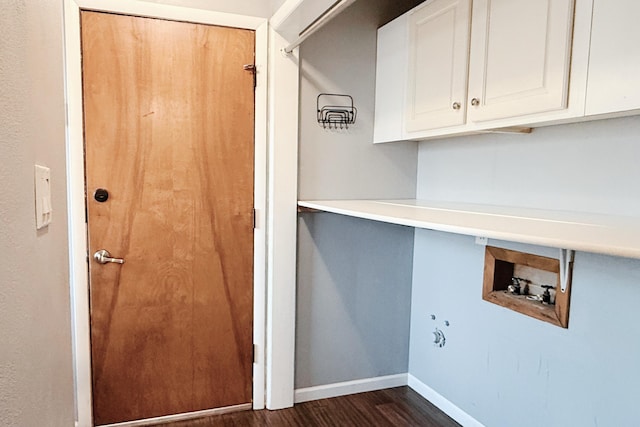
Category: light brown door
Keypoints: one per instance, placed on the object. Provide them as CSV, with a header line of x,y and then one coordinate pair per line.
x,y
169,115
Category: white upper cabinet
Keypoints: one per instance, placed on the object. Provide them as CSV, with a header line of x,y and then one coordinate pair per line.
x,y
436,89
463,67
614,64
519,58
391,81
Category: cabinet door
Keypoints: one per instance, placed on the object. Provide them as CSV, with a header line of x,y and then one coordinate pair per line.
x,y
391,80
614,62
438,65
520,57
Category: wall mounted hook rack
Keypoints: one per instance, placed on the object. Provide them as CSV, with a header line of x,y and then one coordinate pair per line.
x,y
336,110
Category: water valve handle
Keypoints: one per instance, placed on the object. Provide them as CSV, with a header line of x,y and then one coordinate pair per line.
x,y
546,296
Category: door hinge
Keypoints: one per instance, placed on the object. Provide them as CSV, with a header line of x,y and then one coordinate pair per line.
x,y
255,219
252,68
255,353
86,207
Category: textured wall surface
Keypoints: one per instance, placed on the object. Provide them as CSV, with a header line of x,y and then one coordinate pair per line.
x,y
275,5
36,380
260,8
501,367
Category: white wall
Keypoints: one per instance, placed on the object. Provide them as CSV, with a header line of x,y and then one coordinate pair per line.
x,y
275,5
36,378
501,367
260,8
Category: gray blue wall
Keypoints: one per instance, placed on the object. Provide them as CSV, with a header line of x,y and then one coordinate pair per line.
x,y
353,310
591,167
501,367
354,276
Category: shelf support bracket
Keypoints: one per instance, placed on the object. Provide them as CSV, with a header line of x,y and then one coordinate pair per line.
x,y
566,261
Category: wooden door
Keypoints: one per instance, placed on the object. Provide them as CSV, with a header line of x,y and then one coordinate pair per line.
x,y
520,57
438,65
169,134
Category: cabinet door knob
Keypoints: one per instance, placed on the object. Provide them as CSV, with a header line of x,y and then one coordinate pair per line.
x,y
456,106
475,102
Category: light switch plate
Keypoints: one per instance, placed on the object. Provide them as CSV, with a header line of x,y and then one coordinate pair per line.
x,y
481,241
43,196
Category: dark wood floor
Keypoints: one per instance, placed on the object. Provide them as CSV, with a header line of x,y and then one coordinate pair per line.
x,y
392,407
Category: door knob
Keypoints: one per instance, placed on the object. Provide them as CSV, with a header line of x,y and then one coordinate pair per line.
x,y
475,102
456,106
103,256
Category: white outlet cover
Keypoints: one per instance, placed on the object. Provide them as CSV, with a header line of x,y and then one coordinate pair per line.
x,y
482,241
43,196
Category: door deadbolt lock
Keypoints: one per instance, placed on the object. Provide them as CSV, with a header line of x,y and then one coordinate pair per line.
x,y
101,195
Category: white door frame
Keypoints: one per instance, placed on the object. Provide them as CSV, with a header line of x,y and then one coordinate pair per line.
x,y
79,277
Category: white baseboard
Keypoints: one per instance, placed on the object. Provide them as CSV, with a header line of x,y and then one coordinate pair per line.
x,y
182,417
442,403
349,387
379,383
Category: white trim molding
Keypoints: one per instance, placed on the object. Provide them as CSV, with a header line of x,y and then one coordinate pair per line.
x,y
349,387
182,417
78,273
445,405
75,181
283,218
172,13
380,383
260,203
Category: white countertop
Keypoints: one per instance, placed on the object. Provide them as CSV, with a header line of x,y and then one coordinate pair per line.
x,y
607,234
